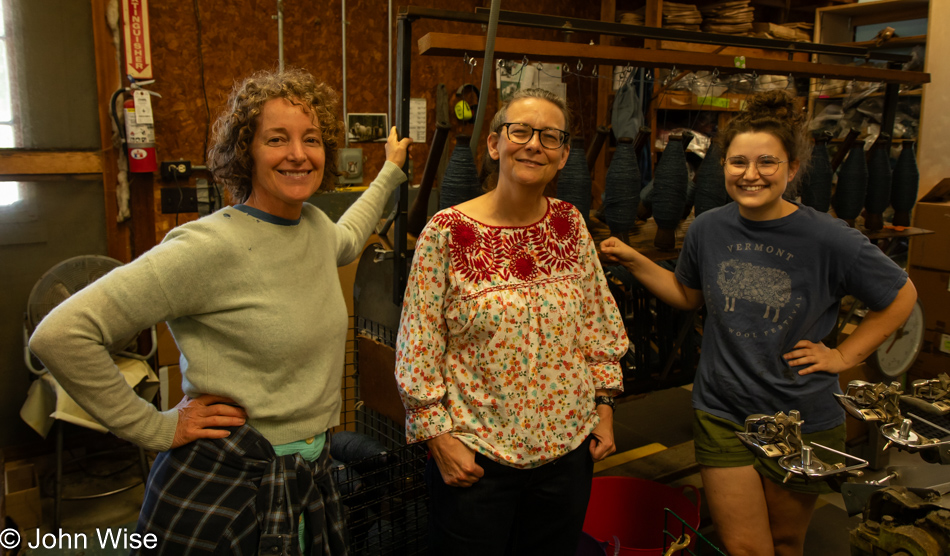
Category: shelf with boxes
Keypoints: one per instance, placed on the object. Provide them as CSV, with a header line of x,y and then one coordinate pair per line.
x,y
929,269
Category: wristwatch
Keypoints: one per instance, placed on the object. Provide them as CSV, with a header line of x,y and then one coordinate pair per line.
x,y
605,400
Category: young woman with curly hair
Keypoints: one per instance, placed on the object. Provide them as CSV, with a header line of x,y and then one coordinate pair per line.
x,y
771,273
252,297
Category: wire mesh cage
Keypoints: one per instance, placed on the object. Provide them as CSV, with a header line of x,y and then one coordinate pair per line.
x,y
679,537
384,493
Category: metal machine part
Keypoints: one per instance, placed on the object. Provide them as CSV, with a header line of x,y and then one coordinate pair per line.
x,y
879,402
868,401
931,396
898,520
779,436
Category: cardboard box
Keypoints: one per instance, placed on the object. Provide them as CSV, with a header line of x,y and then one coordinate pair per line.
x,y
167,353
932,360
22,494
933,291
931,250
169,380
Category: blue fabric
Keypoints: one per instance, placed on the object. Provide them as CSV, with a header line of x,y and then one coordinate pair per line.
x,y
852,184
627,114
816,182
905,179
768,285
266,216
573,183
622,190
460,180
308,451
879,179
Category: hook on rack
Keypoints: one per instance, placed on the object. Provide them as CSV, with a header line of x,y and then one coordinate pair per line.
x,y
580,65
472,62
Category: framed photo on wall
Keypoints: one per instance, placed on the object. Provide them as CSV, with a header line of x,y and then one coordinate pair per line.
x,y
367,128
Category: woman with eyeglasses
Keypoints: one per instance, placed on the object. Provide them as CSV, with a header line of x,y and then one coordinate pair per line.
x,y
771,273
508,351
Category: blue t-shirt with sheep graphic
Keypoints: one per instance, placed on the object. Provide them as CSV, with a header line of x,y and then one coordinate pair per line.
x,y
768,285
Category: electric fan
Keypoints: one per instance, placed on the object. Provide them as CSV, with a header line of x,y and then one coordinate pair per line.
x,y
60,282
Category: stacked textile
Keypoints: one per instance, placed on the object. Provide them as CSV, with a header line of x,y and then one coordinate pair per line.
x,y
800,31
684,17
728,18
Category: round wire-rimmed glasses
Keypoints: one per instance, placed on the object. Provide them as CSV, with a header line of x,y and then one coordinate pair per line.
x,y
521,134
765,165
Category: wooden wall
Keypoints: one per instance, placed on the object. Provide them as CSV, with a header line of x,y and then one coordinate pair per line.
x,y
934,142
239,37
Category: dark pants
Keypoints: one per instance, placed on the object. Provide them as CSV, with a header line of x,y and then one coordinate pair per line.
x,y
512,511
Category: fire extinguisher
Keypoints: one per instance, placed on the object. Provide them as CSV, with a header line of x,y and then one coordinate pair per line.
x,y
139,130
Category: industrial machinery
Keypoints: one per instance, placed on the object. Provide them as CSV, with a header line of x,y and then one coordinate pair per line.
x,y
779,436
901,519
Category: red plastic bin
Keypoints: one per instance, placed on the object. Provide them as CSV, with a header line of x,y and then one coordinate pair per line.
x,y
632,510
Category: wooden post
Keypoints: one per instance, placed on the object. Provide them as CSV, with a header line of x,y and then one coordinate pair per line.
x,y
107,81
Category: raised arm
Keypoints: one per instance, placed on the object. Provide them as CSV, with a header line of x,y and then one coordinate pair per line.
x,y
869,334
661,282
359,221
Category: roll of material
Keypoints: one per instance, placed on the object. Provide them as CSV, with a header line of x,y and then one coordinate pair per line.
x,y
460,181
710,182
878,196
690,199
816,182
622,189
852,185
670,185
645,210
904,183
574,183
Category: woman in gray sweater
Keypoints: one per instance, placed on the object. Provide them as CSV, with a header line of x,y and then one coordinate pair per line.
x,y
252,297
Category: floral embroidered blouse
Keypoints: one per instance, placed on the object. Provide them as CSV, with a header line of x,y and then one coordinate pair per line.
x,y
505,334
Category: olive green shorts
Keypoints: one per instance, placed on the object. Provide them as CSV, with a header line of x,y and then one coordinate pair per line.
x,y
717,445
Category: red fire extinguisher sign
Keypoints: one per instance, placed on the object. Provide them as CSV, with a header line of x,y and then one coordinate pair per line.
x,y
138,52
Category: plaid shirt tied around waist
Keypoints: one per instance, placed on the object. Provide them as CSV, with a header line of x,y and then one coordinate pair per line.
x,y
235,496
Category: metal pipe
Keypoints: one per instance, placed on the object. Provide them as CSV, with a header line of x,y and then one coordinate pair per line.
x,y
400,239
389,50
280,35
487,68
541,21
346,135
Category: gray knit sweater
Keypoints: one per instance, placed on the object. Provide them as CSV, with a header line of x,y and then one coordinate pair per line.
x,y
254,304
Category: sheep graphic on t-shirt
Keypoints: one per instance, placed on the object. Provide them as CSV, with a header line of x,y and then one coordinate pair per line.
x,y
758,284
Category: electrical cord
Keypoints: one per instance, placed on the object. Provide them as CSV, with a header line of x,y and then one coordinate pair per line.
x,y
204,89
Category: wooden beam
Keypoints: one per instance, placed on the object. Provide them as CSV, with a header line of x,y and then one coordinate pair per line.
x,y
107,81
28,163
455,45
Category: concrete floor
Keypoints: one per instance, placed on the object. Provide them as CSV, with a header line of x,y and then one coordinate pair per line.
x,y
654,439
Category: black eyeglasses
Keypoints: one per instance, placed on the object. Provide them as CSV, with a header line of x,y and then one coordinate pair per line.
x,y
765,165
520,134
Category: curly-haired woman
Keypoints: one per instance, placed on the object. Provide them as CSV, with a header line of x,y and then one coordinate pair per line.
x,y
763,250
252,296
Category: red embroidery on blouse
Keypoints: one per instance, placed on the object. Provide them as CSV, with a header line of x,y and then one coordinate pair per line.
x,y
483,253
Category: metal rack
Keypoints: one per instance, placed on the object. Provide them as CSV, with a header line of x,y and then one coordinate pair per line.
x,y
443,44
